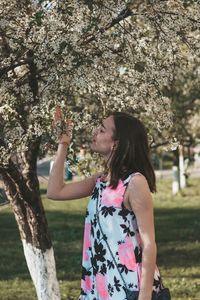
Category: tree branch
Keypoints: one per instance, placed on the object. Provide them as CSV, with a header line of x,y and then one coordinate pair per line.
x,y
178,14
14,65
154,145
122,16
33,81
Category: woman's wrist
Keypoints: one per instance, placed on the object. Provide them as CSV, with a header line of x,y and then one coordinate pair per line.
x,y
144,295
64,140
66,144
63,146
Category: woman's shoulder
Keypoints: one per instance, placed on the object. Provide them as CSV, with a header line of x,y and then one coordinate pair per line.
x,y
135,176
138,192
138,181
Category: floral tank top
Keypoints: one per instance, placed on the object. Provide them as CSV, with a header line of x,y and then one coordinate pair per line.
x,y
100,275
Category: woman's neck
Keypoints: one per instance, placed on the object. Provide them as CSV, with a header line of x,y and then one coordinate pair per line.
x,y
106,176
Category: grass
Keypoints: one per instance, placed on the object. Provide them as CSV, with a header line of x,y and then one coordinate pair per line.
x,y
177,229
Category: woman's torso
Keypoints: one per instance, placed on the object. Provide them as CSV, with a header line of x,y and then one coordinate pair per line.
x,y
107,215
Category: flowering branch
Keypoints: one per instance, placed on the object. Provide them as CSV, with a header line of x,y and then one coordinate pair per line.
x,y
122,16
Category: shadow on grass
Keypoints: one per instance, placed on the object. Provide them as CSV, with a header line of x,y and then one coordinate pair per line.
x,y
177,224
43,191
66,231
177,232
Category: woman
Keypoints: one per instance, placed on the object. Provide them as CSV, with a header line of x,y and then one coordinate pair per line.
x,y
119,251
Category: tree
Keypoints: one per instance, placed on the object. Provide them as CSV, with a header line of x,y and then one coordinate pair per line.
x,y
184,93
116,55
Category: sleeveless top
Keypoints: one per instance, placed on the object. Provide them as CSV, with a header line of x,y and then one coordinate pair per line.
x,y
100,276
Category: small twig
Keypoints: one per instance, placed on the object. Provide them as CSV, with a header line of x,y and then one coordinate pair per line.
x,y
123,15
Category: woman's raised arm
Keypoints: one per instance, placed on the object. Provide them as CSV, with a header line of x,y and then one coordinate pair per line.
x,y
57,189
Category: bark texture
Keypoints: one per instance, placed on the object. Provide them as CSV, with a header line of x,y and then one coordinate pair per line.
x,y
43,272
22,189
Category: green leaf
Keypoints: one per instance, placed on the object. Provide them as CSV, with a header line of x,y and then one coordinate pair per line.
x,y
38,17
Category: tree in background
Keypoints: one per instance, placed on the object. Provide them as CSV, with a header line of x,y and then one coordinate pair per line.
x,y
88,57
184,93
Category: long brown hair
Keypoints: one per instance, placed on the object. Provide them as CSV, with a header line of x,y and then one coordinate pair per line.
x,y
132,153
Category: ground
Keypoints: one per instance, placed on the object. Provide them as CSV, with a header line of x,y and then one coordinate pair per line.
x,y
177,231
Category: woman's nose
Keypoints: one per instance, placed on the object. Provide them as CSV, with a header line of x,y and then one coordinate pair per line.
x,y
95,131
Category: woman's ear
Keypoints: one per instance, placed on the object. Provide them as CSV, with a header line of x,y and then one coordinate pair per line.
x,y
115,145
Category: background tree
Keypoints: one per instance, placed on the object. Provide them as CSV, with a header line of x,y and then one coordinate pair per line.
x,y
184,93
118,55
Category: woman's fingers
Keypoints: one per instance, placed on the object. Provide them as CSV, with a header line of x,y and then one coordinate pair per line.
x,y
64,139
63,128
69,125
58,114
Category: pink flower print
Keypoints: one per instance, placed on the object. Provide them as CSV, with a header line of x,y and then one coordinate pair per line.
x,y
86,284
87,241
127,255
113,196
102,288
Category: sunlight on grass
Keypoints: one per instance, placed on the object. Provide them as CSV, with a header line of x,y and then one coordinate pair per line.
x,y
177,230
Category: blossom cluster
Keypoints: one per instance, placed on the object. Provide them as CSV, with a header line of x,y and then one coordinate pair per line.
x,y
90,57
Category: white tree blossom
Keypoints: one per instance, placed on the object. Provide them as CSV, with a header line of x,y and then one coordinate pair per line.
x,y
73,53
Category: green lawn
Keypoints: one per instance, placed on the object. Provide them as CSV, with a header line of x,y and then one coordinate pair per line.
x,y
178,240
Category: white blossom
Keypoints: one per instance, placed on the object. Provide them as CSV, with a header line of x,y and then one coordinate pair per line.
x,y
85,59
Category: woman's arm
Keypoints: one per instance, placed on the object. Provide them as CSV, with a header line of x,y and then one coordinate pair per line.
x,y
141,202
57,189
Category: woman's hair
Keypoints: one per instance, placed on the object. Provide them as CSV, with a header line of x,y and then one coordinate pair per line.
x,y
132,151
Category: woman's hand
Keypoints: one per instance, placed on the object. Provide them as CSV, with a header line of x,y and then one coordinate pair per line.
x,y
63,128
66,136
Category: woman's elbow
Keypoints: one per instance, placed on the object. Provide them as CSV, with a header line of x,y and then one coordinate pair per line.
x,y
51,195
150,247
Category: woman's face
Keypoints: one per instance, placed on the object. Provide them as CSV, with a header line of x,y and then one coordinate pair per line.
x,y
102,139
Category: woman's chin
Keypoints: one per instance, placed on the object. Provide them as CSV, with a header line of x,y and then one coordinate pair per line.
x,y
92,146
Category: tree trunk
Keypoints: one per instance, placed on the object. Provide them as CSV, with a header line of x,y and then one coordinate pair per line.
x,y
182,168
175,170
24,195
41,265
